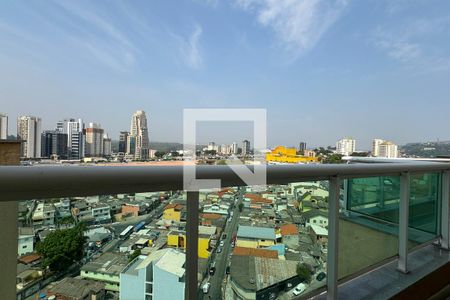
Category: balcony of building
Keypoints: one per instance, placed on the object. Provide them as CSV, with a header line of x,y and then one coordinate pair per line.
x,y
387,232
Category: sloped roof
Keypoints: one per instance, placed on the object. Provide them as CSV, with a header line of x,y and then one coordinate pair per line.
x,y
210,216
244,251
289,229
254,232
174,206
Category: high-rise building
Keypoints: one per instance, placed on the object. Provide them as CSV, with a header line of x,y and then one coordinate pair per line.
x,y
107,146
94,140
376,146
384,148
54,144
139,131
302,147
234,148
29,130
75,137
212,146
3,126
388,149
245,147
131,145
346,146
123,141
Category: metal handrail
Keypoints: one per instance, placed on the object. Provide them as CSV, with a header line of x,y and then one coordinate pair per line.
x,y
39,182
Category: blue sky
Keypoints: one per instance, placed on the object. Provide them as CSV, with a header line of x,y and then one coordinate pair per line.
x,y
323,69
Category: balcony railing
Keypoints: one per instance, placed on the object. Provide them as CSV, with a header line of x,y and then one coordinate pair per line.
x,y
39,182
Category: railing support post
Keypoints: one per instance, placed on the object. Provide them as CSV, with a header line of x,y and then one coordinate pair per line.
x,y
445,197
8,249
191,288
333,233
403,223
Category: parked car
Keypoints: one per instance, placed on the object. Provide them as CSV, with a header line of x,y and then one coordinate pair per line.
x,y
206,287
222,243
224,236
227,270
219,249
321,276
300,288
212,268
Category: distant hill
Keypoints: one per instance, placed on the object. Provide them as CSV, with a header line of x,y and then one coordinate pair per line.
x,y
428,149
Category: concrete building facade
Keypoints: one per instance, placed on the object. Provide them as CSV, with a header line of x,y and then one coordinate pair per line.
x,y
346,146
3,126
94,140
29,131
139,130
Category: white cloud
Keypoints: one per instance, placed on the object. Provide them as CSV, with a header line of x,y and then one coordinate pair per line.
x,y
106,43
299,24
410,44
190,49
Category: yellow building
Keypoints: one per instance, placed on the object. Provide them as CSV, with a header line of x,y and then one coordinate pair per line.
x,y
177,239
282,154
172,212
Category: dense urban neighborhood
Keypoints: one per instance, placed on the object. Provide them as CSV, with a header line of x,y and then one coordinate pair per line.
x,y
252,242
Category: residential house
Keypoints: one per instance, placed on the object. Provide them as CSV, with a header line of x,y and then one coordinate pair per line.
x,y
316,217
289,235
106,268
253,277
101,213
25,241
77,289
159,276
319,234
172,212
44,215
255,237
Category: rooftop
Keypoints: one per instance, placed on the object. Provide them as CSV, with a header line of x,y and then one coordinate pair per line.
x,y
173,262
319,230
256,273
289,229
107,263
244,251
253,232
76,288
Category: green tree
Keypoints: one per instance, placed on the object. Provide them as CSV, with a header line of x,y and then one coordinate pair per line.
x,y
66,220
160,154
62,248
304,273
333,159
135,254
241,207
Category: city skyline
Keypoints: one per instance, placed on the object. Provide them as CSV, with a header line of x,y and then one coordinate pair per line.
x,y
162,60
205,140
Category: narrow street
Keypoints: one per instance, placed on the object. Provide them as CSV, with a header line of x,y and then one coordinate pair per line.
x,y
223,259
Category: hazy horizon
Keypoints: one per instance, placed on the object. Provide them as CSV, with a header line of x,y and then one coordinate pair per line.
x,y
320,77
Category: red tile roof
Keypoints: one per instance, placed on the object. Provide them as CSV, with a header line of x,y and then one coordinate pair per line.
x,y
255,198
244,251
174,206
261,201
29,258
210,216
289,229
